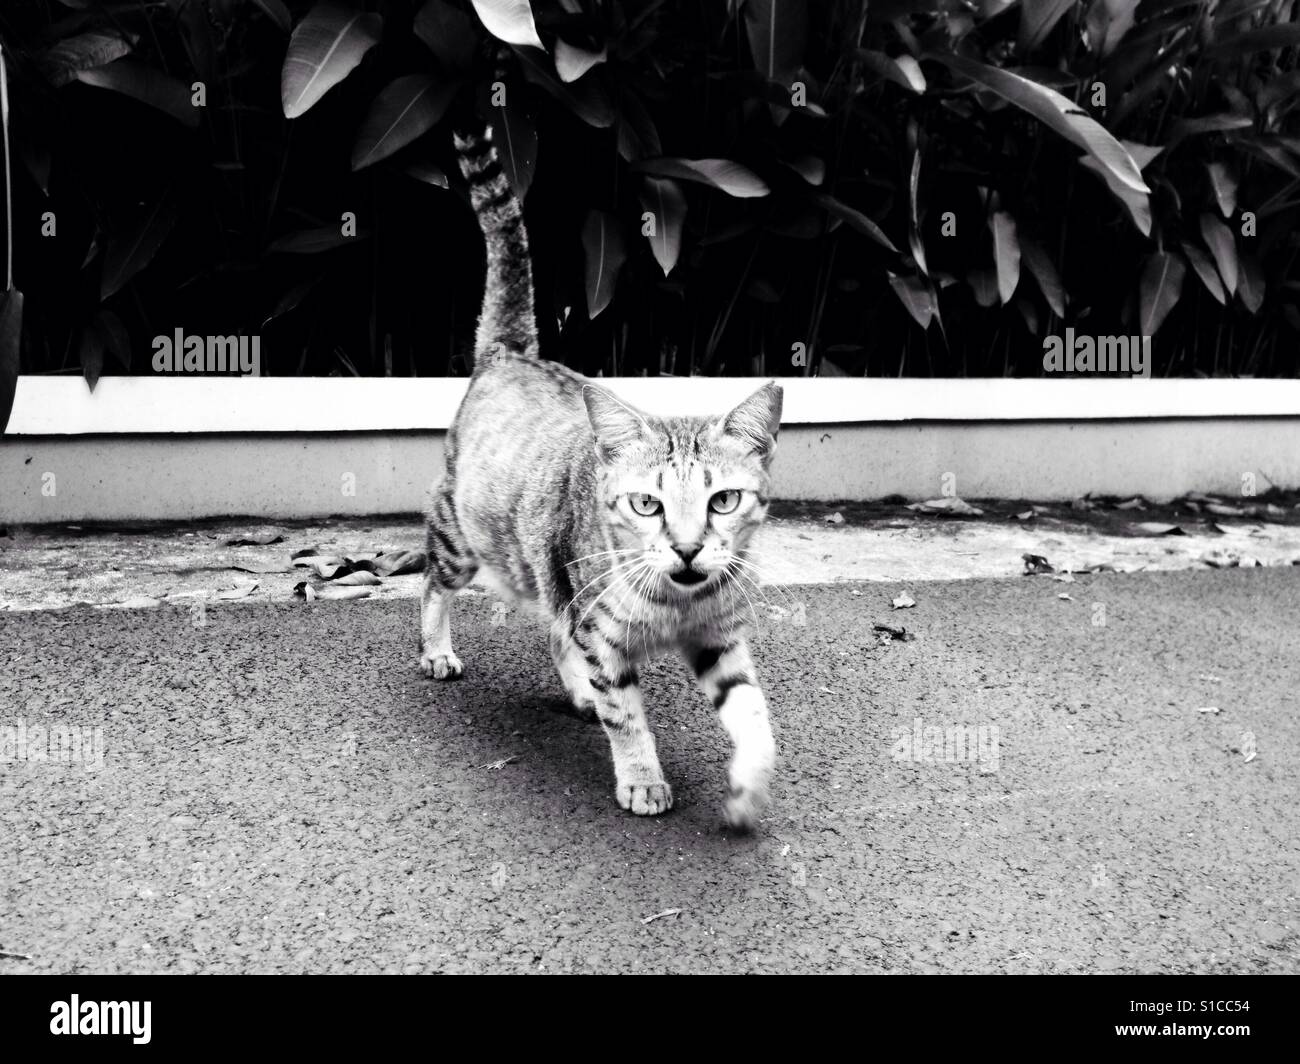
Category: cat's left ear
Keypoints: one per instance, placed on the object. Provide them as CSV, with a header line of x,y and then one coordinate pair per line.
x,y
756,422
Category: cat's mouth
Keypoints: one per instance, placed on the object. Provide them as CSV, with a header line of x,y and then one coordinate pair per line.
x,y
688,577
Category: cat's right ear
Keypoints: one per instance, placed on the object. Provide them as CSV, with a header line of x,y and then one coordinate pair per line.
x,y
615,425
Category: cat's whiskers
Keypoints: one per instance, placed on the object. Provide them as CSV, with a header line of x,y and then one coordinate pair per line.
x,y
757,571
635,563
602,575
735,577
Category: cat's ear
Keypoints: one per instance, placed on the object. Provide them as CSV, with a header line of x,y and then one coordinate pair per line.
x,y
616,425
756,422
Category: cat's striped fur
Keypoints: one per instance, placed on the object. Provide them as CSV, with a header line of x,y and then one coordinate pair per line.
x,y
544,476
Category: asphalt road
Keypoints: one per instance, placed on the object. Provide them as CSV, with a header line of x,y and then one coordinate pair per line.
x,y
282,791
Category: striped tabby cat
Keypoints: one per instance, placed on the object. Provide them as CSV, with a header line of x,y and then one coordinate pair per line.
x,y
626,532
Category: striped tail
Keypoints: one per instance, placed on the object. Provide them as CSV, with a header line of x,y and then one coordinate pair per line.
x,y
508,321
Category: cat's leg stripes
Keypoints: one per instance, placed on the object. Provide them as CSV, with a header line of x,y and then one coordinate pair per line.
x,y
726,674
639,781
573,669
450,567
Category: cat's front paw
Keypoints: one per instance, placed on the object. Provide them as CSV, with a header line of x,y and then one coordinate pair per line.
x,y
648,799
743,806
441,666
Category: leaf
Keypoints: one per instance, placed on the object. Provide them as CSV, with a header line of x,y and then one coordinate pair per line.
x,y
515,138
399,562
62,63
1038,18
276,12
1204,270
857,220
1162,284
904,70
1264,39
324,49
90,355
406,109
1006,254
292,298
637,136
509,20
730,177
916,297
449,34
1218,238
664,200
602,242
1220,123
11,337
1137,204
571,62
131,252
311,241
1251,286
1044,272
984,286
1107,22
117,341
777,30
146,84
428,173
809,167
1224,183
1057,113
1143,154
586,97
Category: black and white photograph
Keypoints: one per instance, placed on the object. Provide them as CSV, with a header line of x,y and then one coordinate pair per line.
x,y
639,487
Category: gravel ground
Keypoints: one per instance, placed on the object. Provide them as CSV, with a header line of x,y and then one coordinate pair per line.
x,y
281,791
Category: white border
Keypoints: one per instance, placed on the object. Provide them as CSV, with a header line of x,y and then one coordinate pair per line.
x,y
64,406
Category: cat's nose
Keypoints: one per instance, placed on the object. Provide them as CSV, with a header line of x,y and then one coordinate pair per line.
x,y
688,551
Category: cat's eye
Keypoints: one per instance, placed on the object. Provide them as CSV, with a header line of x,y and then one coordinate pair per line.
x,y
644,505
724,502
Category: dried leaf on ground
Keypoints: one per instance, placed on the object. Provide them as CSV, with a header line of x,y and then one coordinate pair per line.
x,y
949,505
255,539
1035,564
889,634
903,602
1157,528
836,518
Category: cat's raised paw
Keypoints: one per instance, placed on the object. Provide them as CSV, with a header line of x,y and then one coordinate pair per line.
x,y
742,808
645,799
441,666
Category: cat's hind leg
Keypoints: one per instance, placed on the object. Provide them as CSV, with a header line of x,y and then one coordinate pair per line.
x,y
450,566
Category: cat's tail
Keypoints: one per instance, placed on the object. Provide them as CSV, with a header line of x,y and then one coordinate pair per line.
x,y
508,321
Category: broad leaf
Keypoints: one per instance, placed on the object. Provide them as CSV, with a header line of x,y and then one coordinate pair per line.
x,y
904,70
90,354
325,48
857,220
1218,238
1107,22
509,20
62,63
777,30
276,11
11,336
407,108
1038,18
1204,270
1058,113
428,173
602,243
809,167
146,84
117,341
311,241
1224,184
1006,254
731,178
1138,204
585,97
1251,286
130,252
571,62
1040,265
984,286
1162,284
663,200
917,298
449,34
1220,123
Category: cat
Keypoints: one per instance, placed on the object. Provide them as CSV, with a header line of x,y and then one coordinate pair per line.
x,y
626,532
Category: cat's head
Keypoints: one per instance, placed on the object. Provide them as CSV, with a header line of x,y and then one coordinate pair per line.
x,y
687,493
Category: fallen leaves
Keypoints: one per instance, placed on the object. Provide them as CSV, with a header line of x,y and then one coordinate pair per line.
x,y
903,602
339,576
660,916
259,539
887,633
949,506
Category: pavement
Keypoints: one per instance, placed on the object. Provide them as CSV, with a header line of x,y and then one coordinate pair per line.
x,y
272,786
